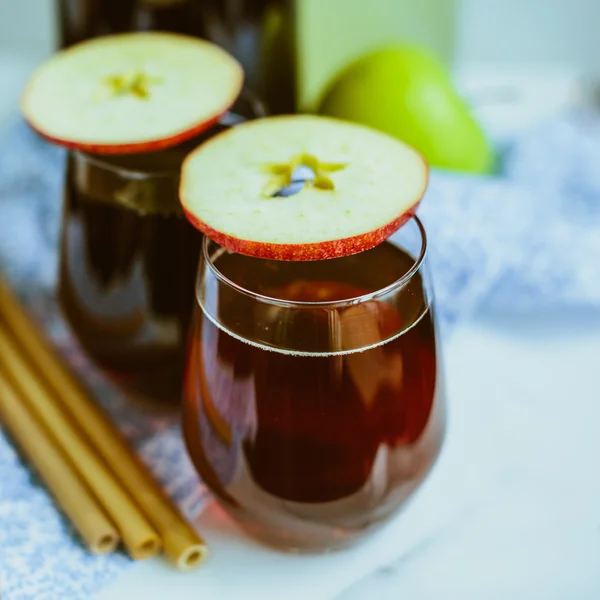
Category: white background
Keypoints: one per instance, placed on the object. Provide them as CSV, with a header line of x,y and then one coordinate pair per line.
x,y
512,32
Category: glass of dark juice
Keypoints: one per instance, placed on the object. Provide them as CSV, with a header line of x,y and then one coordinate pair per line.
x,y
259,33
128,261
314,401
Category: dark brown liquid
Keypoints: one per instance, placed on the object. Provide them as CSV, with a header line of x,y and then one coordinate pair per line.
x,y
259,33
128,263
310,450
127,277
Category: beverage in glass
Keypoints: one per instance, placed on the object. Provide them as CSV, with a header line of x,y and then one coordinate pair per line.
x,y
314,397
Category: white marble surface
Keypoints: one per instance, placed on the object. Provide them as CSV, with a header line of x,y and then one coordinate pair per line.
x,y
512,509
530,386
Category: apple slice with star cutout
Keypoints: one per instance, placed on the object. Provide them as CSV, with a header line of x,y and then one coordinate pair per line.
x,y
132,92
301,187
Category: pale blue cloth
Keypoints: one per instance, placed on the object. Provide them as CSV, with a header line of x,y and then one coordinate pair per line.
x,y
528,238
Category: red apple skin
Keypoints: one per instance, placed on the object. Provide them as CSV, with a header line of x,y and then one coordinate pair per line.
x,y
313,250
305,252
143,146
134,147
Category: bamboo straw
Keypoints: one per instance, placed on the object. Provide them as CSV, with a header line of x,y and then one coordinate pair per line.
x,y
182,544
75,499
137,534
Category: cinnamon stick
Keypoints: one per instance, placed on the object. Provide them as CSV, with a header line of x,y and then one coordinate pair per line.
x,y
137,534
74,498
182,544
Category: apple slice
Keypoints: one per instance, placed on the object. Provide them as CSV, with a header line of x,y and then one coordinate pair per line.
x,y
301,187
132,92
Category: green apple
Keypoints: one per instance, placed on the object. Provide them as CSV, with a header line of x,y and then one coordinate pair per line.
x,y
406,92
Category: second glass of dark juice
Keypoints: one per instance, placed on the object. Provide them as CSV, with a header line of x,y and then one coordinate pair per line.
x,y
128,261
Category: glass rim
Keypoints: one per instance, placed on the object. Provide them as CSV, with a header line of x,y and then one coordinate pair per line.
x,y
102,161
398,283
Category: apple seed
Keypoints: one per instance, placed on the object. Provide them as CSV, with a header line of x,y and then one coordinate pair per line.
x,y
136,84
302,171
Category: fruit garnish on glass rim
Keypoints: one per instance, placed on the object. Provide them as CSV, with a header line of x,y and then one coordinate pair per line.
x,y
301,187
131,92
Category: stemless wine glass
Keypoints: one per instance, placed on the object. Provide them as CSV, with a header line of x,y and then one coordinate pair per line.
x,y
128,262
314,401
